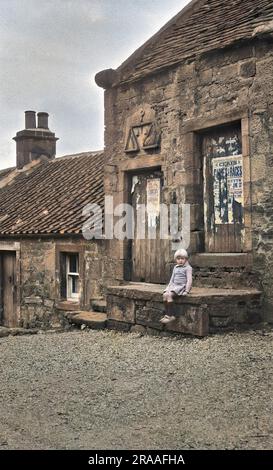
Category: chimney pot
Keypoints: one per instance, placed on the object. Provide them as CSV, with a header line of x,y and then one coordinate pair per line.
x,y
33,143
42,120
30,119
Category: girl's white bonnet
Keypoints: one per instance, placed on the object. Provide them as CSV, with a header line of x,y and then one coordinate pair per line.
x,y
182,253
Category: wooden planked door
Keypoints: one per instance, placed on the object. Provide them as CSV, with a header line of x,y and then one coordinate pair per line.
x,y
8,289
223,190
149,256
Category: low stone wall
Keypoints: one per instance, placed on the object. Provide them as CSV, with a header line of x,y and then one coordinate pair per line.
x,y
225,270
139,308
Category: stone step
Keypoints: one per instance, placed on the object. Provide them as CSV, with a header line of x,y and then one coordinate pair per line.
x,y
98,305
143,290
94,320
203,311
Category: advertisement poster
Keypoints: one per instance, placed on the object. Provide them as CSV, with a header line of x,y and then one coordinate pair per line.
x,y
153,201
228,189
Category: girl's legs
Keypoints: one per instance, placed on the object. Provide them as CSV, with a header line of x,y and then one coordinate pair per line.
x,y
168,299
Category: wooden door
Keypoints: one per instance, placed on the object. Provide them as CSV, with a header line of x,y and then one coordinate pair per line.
x,y
223,190
8,289
149,254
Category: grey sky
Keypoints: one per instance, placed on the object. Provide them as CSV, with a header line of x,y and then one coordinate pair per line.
x,y
49,54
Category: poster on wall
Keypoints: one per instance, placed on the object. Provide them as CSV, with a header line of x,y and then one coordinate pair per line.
x,y
228,189
153,200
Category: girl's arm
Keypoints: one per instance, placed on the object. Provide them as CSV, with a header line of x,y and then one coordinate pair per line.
x,y
189,279
171,280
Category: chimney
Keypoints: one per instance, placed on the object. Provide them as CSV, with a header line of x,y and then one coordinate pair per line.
x,y
30,119
34,142
42,120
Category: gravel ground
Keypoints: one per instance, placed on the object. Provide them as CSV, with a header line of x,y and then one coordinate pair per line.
x,y
107,390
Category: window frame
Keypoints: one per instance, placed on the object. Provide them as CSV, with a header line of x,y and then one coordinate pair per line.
x,y
70,295
62,250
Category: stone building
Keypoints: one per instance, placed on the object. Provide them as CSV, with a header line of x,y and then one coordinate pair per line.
x,y
46,266
188,120
190,115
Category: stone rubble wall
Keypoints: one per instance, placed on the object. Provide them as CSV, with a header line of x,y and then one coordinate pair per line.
x,y
40,284
198,316
222,84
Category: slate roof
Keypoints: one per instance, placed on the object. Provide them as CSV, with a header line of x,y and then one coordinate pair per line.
x,y
49,197
201,26
5,172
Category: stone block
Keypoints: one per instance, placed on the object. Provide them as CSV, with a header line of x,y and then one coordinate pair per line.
x,y
49,303
33,300
149,316
4,332
120,309
227,73
157,306
117,325
240,314
221,322
248,69
205,77
186,72
255,316
193,321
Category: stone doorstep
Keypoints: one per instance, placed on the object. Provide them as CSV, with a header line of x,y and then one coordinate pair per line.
x,y
94,320
197,296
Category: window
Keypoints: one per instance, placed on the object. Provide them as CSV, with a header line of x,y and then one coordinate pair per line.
x,y
69,276
72,269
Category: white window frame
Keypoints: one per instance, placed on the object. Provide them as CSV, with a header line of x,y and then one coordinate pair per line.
x,y
69,278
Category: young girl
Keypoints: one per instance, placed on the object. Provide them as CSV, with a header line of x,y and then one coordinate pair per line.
x,y
180,283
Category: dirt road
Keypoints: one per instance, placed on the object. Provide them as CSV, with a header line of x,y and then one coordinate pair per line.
x,y
106,390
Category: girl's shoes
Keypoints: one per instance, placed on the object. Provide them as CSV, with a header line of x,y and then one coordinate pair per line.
x,y
167,319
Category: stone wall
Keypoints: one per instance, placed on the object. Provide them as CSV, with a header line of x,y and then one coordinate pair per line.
x,y
39,278
217,88
135,308
37,283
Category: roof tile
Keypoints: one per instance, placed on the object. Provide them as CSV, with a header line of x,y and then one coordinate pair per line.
x,y
201,26
50,197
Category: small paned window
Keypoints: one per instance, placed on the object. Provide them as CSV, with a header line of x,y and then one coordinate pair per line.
x,y
70,281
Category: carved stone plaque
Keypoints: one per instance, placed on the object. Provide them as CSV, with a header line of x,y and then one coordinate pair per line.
x,y
144,136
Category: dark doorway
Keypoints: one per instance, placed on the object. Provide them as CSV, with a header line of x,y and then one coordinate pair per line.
x,y
8,289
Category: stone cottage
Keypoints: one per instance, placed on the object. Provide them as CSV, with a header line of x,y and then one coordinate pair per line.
x,y
46,266
188,121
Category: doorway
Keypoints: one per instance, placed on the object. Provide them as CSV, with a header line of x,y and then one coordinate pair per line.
x,y
149,253
8,289
223,189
